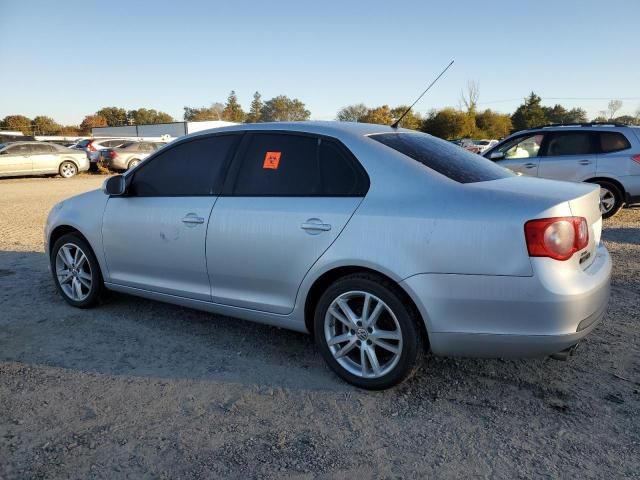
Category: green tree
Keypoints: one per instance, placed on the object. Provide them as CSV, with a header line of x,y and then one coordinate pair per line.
x,y
492,124
214,112
70,130
381,115
352,113
18,123
143,116
255,112
448,123
43,125
233,110
115,116
529,114
412,120
91,121
627,119
284,109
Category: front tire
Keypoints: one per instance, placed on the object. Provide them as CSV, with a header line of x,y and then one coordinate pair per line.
x,y
611,198
367,333
76,271
68,169
134,163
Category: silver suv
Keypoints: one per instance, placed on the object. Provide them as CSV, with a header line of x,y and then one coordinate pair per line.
x,y
606,154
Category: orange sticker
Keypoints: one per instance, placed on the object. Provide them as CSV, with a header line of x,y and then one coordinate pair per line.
x,y
271,160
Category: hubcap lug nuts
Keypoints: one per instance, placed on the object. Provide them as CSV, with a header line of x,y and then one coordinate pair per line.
x,y
359,342
370,330
369,342
352,332
359,324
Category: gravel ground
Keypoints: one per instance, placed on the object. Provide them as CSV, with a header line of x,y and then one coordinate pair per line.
x,y
136,388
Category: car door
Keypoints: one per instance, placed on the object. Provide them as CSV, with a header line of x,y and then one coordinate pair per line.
x,y
614,155
16,159
154,236
520,154
568,155
44,158
289,197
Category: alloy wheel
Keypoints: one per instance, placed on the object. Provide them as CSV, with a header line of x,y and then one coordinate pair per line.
x,y
607,200
73,272
363,334
68,169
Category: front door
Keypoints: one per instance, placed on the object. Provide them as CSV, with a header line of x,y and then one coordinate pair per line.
x,y
154,237
292,197
521,154
569,156
16,159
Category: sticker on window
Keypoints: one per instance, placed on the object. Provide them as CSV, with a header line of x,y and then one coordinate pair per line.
x,y
271,160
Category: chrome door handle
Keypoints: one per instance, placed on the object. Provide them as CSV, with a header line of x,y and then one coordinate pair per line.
x,y
192,219
315,225
530,165
585,162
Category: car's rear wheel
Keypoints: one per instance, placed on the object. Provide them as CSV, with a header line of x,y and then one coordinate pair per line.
x,y
366,332
134,163
76,271
68,169
611,198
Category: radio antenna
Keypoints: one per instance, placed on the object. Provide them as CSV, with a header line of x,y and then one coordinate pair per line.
x,y
397,122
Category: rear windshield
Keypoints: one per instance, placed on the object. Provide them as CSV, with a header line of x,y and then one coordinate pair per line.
x,y
443,157
83,143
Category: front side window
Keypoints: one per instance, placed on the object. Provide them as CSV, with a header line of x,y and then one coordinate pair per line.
x,y
522,147
192,168
570,143
613,142
18,150
443,157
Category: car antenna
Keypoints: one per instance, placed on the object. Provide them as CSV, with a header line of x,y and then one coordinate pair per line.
x,y
397,122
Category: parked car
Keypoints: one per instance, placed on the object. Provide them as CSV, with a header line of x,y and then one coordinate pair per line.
x,y
485,145
604,154
38,158
378,241
128,155
94,146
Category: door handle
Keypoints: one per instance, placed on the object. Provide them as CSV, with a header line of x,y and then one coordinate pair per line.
x,y
315,226
585,162
192,219
530,165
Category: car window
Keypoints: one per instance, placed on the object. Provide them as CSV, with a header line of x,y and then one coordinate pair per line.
x,y
570,143
279,165
145,147
443,157
340,174
39,149
191,168
613,142
18,150
83,143
522,147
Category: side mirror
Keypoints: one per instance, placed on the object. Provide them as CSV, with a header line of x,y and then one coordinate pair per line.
x,y
496,156
115,185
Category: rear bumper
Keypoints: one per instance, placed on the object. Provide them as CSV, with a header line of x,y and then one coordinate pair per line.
x,y
502,316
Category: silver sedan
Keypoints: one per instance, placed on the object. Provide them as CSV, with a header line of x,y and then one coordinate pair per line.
x,y
40,158
380,242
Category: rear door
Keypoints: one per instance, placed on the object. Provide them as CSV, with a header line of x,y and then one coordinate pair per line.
x,y
521,154
614,157
44,158
288,198
16,159
569,155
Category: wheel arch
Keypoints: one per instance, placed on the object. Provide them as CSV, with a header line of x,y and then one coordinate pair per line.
x,y
61,230
611,180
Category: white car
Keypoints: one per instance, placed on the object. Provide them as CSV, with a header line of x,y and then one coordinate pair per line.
x,y
40,158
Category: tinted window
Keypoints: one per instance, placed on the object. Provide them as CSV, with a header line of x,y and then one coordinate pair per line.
x,y
613,142
192,168
340,174
443,157
35,149
19,150
570,143
279,165
83,143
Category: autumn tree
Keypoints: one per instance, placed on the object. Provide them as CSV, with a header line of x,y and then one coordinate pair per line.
x,y
352,113
143,116
381,115
255,111
529,114
18,123
232,109
214,112
490,124
284,109
448,123
115,116
43,125
412,120
92,121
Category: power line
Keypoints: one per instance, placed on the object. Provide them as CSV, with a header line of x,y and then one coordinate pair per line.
x,y
519,99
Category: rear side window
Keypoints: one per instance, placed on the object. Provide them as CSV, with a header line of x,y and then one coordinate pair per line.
x,y
192,168
341,175
570,143
443,157
613,142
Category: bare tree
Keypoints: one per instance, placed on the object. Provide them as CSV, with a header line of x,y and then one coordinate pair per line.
x,y
613,107
470,98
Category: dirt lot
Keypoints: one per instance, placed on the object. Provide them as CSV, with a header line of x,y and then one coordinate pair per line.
x,y
142,389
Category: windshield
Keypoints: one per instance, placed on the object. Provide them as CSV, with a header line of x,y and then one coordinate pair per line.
x,y
443,157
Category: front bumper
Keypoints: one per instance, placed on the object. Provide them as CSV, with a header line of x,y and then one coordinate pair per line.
x,y
504,316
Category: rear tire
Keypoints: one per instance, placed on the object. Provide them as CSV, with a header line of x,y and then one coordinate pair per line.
x,y
134,163
68,169
611,198
373,347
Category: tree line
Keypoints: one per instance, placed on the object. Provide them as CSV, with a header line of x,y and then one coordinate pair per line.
x,y
449,122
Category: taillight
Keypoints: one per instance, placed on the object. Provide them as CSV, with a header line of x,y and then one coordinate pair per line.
x,y
558,238
113,154
90,147
636,158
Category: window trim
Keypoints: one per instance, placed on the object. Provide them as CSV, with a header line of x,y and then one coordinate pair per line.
x,y
216,187
239,158
599,143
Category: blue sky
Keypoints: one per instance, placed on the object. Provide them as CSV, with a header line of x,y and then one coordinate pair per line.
x,y
67,59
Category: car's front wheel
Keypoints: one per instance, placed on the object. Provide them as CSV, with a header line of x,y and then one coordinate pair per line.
x,y
366,332
134,163
76,272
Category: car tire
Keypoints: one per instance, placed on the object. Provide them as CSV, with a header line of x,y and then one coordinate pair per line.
x,y
133,163
76,271
387,340
611,198
68,169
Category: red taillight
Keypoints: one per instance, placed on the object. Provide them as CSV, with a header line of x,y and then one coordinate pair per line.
x,y
558,238
113,154
636,158
90,146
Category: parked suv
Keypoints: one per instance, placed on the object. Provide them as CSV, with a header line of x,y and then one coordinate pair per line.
x,y
605,154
